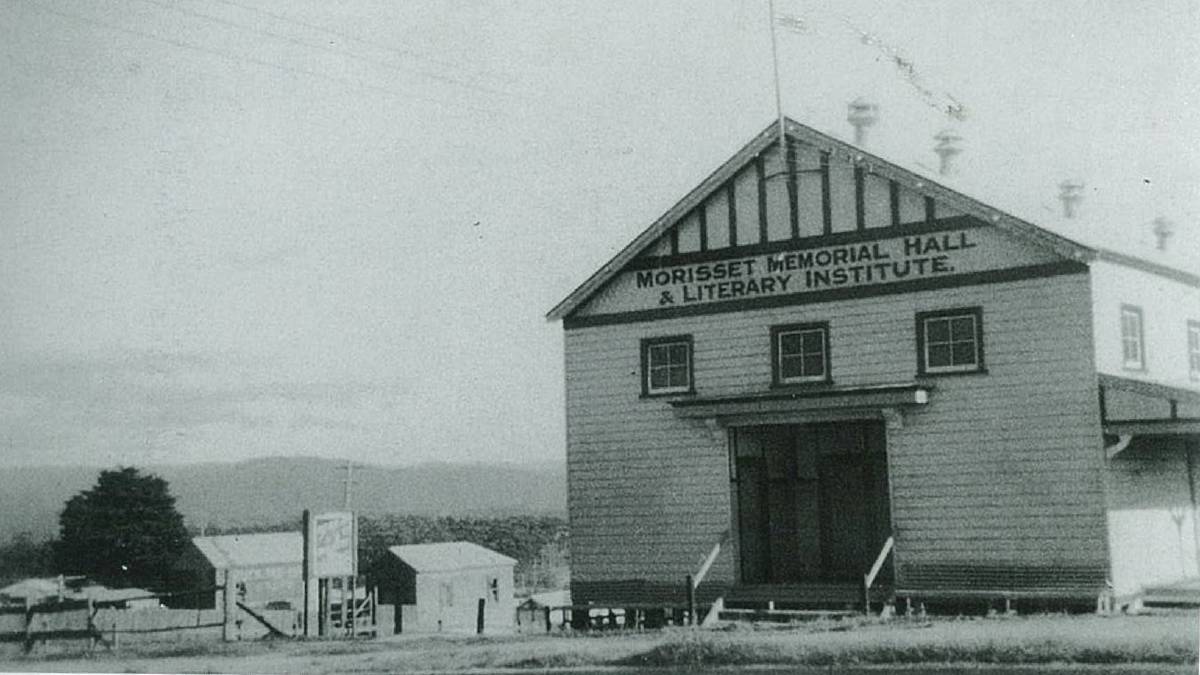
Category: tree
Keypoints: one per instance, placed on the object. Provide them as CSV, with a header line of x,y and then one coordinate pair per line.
x,y
123,531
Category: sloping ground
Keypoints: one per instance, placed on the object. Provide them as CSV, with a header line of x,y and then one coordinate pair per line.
x,y
1168,641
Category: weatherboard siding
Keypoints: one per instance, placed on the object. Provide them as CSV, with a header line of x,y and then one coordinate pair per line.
x,y
1166,304
1153,530
1002,469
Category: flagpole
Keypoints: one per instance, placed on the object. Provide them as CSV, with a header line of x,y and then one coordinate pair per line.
x,y
775,67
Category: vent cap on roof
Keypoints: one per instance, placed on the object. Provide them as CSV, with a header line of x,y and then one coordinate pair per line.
x,y
862,115
1070,193
1163,230
949,146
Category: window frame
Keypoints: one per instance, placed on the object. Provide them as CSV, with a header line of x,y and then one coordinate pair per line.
x,y
647,344
1193,355
979,366
777,332
1140,364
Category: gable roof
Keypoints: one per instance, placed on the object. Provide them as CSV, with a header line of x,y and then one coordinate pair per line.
x,y
1006,222
249,550
450,555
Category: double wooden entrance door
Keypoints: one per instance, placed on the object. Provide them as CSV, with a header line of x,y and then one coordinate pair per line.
x,y
811,500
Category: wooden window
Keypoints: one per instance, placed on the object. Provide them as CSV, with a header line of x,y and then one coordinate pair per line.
x,y
950,341
667,365
1133,344
1193,342
800,353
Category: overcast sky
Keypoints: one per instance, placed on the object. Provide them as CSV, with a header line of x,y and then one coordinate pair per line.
x,y
239,228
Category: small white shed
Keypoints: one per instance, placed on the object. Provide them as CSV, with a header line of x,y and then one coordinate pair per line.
x,y
440,588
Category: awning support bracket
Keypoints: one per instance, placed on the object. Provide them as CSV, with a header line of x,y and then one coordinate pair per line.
x,y
1122,443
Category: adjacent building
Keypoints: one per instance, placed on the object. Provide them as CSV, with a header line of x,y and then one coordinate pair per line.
x,y
441,587
827,360
265,569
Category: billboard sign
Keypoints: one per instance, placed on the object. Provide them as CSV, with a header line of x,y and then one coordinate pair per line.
x,y
333,545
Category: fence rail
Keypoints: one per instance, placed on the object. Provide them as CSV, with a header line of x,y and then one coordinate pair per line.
x,y
100,621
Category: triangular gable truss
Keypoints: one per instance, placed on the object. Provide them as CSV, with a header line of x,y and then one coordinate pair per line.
x,y
767,140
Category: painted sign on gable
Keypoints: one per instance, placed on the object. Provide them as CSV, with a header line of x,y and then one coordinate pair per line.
x,y
803,270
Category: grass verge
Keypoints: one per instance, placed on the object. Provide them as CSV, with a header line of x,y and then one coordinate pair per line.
x,y
1169,640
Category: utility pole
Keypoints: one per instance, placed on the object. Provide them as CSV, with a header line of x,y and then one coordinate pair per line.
x,y
348,484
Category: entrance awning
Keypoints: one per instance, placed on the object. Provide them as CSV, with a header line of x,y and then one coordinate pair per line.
x,y
1135,408
1167,427
825,404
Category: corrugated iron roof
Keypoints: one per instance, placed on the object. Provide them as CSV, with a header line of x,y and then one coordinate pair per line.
x,y
449,555
250,550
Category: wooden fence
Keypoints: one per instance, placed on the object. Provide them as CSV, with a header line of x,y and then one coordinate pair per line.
x,y
84,625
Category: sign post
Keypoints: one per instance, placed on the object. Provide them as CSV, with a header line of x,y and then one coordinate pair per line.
x,y
330,551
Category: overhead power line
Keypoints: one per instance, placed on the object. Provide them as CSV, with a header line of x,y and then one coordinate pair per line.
x,y
405,53
439,77
238,58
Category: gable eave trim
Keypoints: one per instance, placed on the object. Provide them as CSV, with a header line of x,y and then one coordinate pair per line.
x,y
1005,222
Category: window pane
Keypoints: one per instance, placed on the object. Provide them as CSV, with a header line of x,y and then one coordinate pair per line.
x,y
679,354
939,355
814,342
790,343
814,365
962,328
1130,348
790,367
678,376
937,330
658,355
963,353
659,378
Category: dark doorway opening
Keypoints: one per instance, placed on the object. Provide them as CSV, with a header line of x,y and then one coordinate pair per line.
x,y
811,499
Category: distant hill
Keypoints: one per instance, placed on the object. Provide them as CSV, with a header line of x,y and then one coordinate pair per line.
x,y
273,490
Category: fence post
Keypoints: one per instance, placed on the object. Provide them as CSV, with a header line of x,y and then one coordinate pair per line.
x,y
227,609
479,617
28,624
91,626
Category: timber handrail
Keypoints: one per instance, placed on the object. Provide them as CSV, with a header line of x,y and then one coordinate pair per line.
x,y
710,559
694,580
869,577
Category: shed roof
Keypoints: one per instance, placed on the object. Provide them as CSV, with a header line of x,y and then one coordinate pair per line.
x,y
250,550
35,589
449,555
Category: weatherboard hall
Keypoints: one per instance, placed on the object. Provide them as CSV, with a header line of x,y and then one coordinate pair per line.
x,y
820,369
